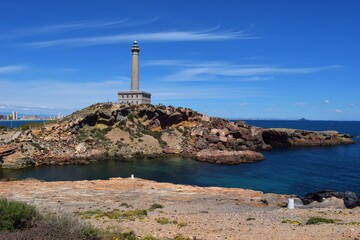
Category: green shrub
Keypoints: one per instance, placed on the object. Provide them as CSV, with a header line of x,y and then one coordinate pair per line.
x,y
293,222
163,220
150,238
51,226
129,215
31,125
15,215
155,134
38,146
131,117
124,204
181,237
318,220
155,206
182,224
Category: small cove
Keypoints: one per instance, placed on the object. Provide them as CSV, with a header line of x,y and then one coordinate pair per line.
x,y
290,171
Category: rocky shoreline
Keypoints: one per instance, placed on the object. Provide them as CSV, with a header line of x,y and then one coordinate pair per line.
x,y
193,212
114,131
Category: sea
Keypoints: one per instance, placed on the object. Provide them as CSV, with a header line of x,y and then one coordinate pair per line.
x,y
18,123
288,171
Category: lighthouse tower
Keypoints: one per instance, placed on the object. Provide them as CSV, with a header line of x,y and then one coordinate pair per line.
x,y
135,67
134,96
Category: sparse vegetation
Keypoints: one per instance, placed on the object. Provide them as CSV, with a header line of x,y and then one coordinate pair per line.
x,y
180,129
31,125
130,215
318,220
155,134
15,215
163,220
181,237
3,127
131,117
182,224
38,146
289,221
155,206
21,221
354,223
124,204
185,133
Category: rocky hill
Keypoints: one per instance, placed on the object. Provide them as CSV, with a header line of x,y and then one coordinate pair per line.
x,y
104,131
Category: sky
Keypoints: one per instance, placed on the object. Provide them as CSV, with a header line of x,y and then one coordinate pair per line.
x,y
248,59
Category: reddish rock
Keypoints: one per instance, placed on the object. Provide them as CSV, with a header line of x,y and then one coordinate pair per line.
x,y
228,157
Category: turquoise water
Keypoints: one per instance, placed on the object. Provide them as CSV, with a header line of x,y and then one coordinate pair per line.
x,y
290,171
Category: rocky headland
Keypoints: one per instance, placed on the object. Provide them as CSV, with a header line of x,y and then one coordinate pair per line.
x,y
104,131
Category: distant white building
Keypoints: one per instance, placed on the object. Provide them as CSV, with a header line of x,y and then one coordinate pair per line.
x,y
134,96
14,115
31,117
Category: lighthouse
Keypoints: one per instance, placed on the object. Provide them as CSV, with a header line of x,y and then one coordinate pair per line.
x,y
134,96
135,67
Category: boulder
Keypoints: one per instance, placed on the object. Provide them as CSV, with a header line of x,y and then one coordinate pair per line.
x,y
228,157
17,160
328,202
80,148
349,199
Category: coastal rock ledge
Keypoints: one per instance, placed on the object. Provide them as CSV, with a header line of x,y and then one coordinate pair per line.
x,y
114,131
228,157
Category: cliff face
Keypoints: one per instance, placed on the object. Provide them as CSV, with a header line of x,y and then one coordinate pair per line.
x,y
104,131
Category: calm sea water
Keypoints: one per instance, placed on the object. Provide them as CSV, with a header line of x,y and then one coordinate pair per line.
x,y
291,171
18,123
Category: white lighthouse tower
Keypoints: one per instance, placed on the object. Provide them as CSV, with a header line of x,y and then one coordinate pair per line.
x,y
134,96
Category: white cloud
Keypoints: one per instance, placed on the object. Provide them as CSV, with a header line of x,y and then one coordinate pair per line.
x,y
74,26
166,36
339,111
200,71
300,104
202,92
12,68
326,101
51,93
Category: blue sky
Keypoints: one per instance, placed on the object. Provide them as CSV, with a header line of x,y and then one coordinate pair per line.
x,y
242,59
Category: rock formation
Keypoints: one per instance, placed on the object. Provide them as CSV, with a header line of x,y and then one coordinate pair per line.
x,y
104,131
350,199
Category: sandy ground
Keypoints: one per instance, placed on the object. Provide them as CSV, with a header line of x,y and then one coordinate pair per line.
x,y
199,213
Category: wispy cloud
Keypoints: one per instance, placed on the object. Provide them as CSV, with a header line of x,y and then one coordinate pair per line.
x,y
200,71
195,93
165,36
69,95
6,108
12,68
74,26
300,104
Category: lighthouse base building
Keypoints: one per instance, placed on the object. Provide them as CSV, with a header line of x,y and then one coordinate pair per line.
x,y
134,96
